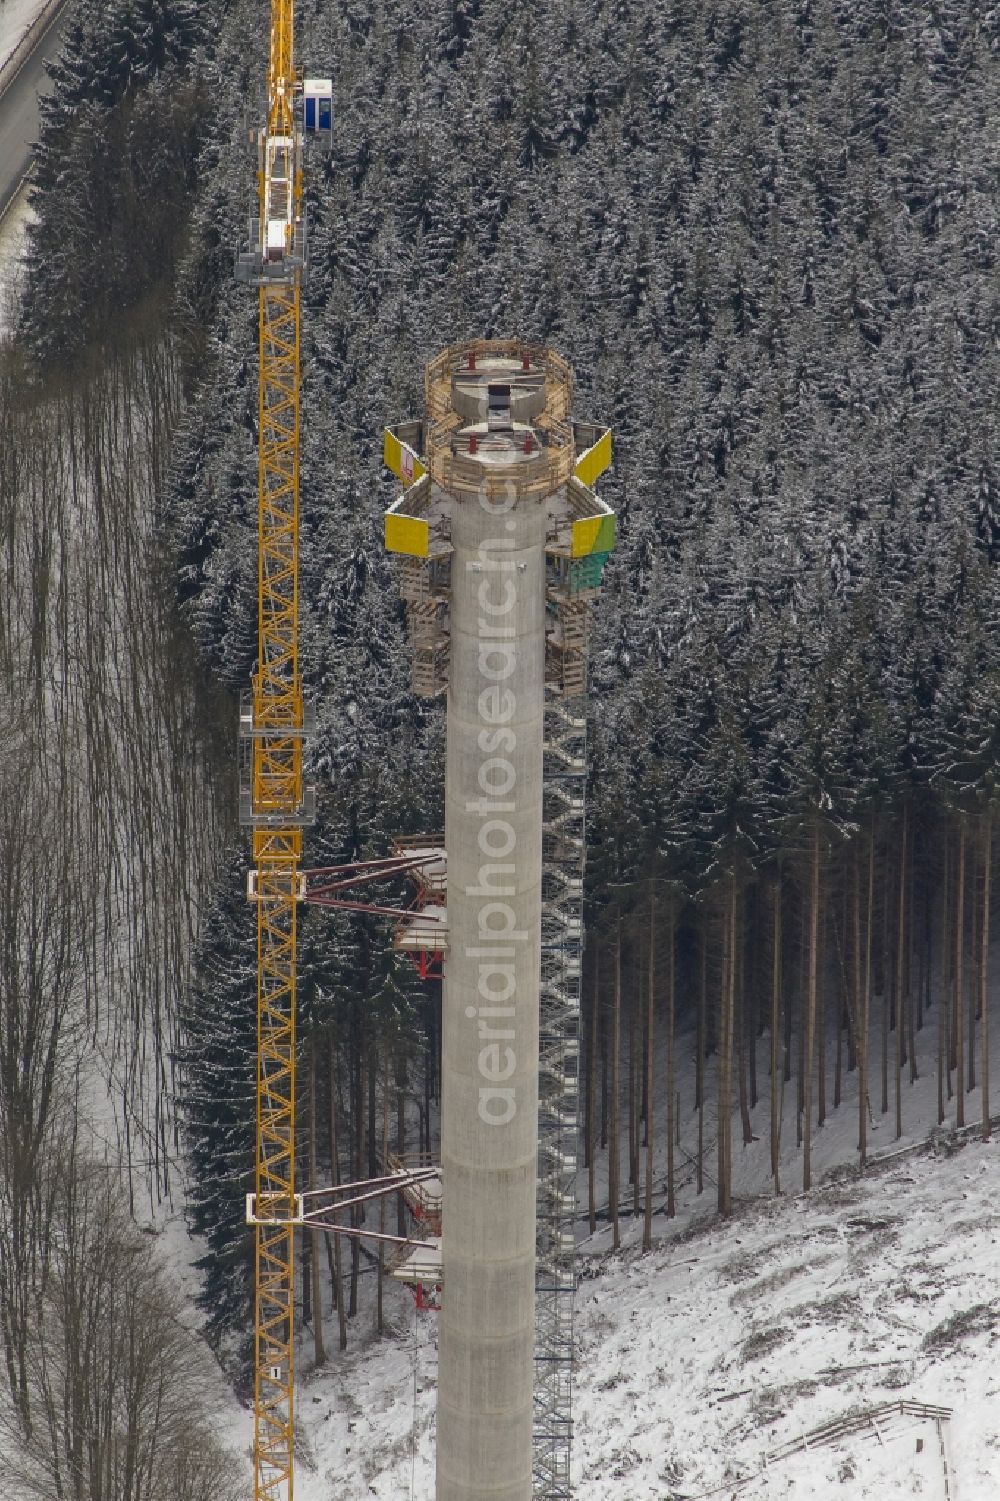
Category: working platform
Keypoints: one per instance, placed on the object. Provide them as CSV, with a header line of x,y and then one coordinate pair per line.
x,y
422,1262
423,932
421,1269
422,1189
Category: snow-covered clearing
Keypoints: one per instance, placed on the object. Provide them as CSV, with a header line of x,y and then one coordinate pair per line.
x,y
16,16
729,1341
701,1358
716,1350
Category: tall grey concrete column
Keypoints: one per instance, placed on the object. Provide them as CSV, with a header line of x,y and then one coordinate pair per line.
x,y
489,1080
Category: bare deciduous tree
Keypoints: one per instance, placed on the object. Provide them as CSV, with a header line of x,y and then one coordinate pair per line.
x,y
117,1387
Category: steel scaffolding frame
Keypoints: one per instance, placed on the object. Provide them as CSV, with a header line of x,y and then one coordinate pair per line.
x,y
563,848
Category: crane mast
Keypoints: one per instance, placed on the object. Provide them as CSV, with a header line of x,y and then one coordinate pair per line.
x,y
278,725
273,799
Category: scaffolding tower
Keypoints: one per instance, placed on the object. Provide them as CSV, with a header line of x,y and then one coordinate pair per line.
x,y
563,845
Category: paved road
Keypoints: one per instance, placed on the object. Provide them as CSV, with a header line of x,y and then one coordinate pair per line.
x,y
19,110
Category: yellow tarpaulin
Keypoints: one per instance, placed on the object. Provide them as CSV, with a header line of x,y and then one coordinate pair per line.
x,y
400,458
406,534
593,534
593,461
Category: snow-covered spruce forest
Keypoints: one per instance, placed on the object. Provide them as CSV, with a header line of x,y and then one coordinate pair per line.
x,y
764,235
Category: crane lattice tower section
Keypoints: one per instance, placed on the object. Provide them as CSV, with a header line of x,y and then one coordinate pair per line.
x,y
504,543
274,801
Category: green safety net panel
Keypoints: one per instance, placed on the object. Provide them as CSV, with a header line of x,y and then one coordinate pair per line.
x,y
585,573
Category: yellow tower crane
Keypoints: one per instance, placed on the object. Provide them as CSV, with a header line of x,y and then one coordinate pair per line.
x,y
273,798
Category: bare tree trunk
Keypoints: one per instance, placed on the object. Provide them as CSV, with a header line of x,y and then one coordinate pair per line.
x,y
614,1148
777,1064
633,1090
801,1049
916,946
727,1007
740,1014
359,1148
788,1009
886,1002
851,996
959,979
861,1040
338,1269
315,1236
906,920
752,993
400,1133
644,1079
592,1095
429,1053
380,1276
901,971
822,1005
928,926
910,992
944,1062
373,1131
673,1108
810,1042
699,1076
984,971
604,1078
973,987
838,1048
647,1225
863,989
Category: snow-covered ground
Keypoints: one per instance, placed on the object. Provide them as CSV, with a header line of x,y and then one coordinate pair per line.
x,y
729,1341
15,18
719,1349
702,1358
